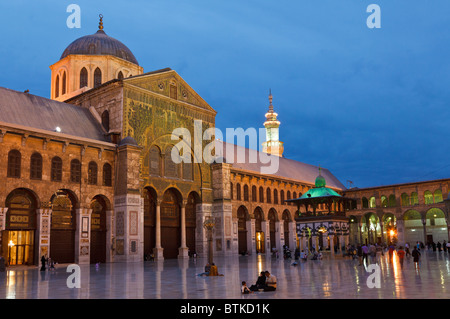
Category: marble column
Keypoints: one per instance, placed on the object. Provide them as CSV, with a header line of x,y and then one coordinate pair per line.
x,y
158,250
183,250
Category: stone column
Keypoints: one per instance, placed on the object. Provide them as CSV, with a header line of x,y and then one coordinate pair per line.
x,y
332,244
83,235
266,229
158,250
400,232
279,236
43,231
109,235
424,223
183,250
251,236
382,231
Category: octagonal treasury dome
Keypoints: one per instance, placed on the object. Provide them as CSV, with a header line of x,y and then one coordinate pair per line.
x,y
100,43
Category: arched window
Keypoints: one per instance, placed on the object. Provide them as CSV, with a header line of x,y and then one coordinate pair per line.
x,y
63,84
275,196
75,171
105,120
83,78
288,196
120,75
428,197
294,195
231,191
97,77
92,173
438,196
261,195
238,191
254,194
404,199
107,175
155,160
56,169
246,192
365,203
14,160
282,197
268,196
372,202
384,201
57,86
170,167
392,201
36,166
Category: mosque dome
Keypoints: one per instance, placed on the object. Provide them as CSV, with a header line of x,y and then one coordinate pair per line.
x,y
100,43
320,181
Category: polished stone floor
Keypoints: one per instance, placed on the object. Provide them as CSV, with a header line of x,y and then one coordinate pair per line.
x,y
315,279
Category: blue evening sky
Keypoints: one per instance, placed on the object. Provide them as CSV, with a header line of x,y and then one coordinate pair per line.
x,y
371,105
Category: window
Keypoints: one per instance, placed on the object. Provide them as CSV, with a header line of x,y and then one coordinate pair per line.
x,y
36,166
120,75
372,202
254,194
92,173
392,201
107,175
187,170
155,157
268,195
57,86
384,201
238,191
14,159
105,120
261,195
64,79
246,192
288,196
282,197
56,170
97,77
438,196
75,171
428,197
365,203
83,78
404,199
275,196
170,167
173,91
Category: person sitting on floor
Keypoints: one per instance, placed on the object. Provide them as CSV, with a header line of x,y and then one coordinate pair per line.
x,y
245,289
271,282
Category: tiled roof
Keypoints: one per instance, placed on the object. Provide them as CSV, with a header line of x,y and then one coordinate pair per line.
x,y
41,113
287,168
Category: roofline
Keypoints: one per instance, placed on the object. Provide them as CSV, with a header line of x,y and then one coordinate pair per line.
x,y
397,185
58,136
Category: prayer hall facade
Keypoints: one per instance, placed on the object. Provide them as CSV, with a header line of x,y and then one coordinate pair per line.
x,y
90,175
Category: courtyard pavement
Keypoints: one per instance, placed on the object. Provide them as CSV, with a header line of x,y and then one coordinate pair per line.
x,y
177,279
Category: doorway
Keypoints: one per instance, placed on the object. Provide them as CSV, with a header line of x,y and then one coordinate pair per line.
x,y
20,245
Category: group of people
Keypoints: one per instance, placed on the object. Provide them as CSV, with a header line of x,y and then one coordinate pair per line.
x,y
47,262
265,282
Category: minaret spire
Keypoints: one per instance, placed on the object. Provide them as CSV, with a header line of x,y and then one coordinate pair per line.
x,y
272,145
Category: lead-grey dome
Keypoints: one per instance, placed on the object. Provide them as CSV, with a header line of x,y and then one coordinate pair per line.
x,y
100,43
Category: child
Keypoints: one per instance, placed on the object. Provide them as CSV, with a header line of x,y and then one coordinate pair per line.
x,y
245,289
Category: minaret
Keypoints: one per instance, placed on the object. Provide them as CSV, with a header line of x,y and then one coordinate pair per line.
x,y
272,145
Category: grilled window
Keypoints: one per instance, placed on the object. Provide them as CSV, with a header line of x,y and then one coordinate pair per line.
x,y
14,160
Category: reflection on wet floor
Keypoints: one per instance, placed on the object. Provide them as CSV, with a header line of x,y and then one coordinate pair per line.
x,y
177,279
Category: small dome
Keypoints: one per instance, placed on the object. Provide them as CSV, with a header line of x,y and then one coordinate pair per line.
x,y
100,43
320,181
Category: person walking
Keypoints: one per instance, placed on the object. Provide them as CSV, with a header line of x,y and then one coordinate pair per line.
x,y
444,246
408,253
359,253
438,245
401,255
365,253
416,257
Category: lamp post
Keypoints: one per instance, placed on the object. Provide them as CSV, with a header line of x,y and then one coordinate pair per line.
x,y
209,224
